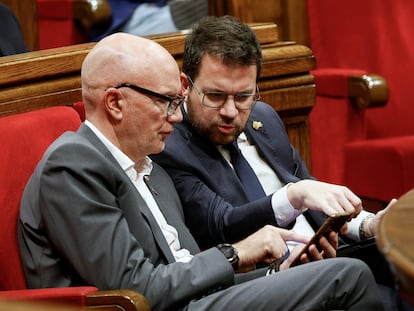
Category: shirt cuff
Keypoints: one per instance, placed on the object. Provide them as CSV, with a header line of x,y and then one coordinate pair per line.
x,y
353,225
284,212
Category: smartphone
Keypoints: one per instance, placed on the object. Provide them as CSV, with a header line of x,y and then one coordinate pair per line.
x,y
332,223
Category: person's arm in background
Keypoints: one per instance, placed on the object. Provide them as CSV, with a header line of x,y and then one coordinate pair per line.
x,y
185,13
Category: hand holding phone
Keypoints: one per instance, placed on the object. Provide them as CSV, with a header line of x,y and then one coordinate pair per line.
x,y
332,223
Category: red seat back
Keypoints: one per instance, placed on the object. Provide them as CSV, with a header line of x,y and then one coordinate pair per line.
x,y
368,150
376,36
24,138
56,17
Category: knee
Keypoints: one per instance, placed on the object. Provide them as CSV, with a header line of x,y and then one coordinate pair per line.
x,y
357,269
355,264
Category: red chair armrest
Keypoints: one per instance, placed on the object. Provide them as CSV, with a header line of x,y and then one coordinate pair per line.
x,y
82,296
364,90
74,296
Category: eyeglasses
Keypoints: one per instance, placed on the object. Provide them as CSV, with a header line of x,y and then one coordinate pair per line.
x,y
173,102
214,99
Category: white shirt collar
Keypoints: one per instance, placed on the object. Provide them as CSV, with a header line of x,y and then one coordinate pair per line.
x,y
123,160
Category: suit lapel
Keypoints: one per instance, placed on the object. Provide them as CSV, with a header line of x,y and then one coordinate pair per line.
x,y
214,164
138,201
218,169
156,231
170,206
267,146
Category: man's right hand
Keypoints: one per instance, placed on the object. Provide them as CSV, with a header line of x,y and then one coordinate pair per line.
x,y
266,245
327,249
328,198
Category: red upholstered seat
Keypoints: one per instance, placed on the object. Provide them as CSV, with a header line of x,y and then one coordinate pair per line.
x,y
24,138
56,24
392,172
80,109
369,150
333,122
69,22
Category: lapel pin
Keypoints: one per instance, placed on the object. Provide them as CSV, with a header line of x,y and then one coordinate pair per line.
x,y
257,125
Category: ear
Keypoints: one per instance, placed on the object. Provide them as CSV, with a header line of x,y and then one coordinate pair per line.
x,y
184,84
114,102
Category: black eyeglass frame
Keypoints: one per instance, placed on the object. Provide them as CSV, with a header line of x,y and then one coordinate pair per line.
x,y
173,103
256,96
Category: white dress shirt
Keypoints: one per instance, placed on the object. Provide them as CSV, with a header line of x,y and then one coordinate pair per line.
x,y
284,212
137,178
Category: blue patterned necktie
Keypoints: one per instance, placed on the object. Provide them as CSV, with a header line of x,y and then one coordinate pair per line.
x,y
248,178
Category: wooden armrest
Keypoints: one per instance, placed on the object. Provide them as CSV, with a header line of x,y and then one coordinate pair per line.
x,y
22,305
394,238
126,300
90,13
368,90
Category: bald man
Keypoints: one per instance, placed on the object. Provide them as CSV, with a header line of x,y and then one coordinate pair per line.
x,y
98,212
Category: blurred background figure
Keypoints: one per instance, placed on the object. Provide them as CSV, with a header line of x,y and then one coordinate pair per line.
x,y
11,37
152,17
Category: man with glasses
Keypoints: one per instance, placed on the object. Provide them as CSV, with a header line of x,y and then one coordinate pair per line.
x,y
98,212
223,202
222,114
172,103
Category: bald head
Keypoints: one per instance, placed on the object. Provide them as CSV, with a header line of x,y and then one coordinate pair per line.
x,y
124,58
134,121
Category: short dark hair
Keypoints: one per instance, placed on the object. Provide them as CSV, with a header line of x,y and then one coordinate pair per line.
x,y
226,37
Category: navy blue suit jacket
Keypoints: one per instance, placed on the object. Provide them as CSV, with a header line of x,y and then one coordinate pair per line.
x,y
216,207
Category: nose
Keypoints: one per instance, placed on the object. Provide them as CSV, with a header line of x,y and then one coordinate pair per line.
x,y
229,107
176,117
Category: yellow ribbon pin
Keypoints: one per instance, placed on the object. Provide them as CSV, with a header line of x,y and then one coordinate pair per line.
x,y
257,125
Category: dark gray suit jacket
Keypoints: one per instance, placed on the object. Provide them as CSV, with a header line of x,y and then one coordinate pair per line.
x,y
82,222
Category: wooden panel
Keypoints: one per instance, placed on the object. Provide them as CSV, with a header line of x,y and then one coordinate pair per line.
x,y
294,18
289,15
